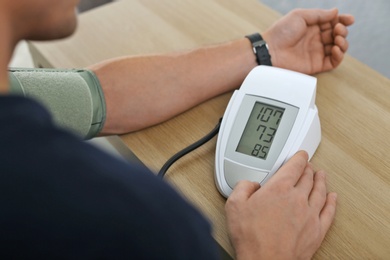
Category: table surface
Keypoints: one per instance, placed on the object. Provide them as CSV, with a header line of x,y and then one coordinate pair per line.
x,y
353,103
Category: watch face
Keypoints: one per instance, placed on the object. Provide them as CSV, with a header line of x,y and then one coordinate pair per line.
x,y
260,130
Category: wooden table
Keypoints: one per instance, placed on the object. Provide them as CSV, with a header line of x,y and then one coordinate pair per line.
x,y
353,103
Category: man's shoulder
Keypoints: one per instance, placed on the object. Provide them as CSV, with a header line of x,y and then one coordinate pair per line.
x,y
59,187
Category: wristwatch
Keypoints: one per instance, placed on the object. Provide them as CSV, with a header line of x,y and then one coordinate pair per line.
x,y
260,49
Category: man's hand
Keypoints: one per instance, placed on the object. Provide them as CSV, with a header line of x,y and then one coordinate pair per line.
x,y
309,40
287,218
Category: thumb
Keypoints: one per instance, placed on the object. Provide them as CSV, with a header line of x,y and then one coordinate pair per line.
x,y
243,190
319,16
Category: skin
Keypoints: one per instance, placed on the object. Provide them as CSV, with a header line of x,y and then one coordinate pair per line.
x,y
288,217
315,39
33,20
162,86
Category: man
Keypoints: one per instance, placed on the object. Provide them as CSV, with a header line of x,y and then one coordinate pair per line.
x,y
61,198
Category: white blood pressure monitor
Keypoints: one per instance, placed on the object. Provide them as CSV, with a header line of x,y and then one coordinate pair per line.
x,y
269,119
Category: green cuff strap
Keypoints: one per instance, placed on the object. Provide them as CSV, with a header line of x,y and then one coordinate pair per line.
x,y
74,97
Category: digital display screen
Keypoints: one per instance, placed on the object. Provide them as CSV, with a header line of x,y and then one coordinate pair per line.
x,y
260,130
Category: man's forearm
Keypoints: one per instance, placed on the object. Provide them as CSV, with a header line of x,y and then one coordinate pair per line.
x,y
141,91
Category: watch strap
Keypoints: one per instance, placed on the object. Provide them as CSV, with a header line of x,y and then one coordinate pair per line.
x,y
260,49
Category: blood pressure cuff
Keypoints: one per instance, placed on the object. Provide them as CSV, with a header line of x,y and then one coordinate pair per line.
x,y
74,97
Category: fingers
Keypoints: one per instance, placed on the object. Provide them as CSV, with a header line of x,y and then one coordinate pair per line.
x,y
293,169
326,19
318,193
346,19
334,29
333,58
322,202
305,183
342,43
336,56
329,36
340,33
243,190
340,30
335,46
328,213
318,16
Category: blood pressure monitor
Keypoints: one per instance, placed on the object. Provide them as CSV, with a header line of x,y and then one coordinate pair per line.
x,y
271,117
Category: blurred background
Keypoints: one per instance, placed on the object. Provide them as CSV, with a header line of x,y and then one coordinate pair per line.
x,y
369,37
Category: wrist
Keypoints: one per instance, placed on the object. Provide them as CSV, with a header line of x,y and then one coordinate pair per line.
x,y
260,49
271,48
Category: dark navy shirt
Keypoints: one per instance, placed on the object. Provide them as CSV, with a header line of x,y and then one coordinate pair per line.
x,y
62,198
